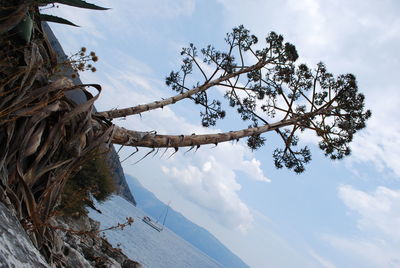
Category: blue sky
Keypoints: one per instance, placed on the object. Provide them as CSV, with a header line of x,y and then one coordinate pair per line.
x,y
336,214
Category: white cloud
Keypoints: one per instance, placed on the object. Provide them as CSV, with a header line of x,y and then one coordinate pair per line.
x,y
379,211
160,9
380,142
360,36
366,253
213,186
378,220
122,25
321,260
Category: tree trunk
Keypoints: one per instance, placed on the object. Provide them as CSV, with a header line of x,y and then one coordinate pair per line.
x,y
127,137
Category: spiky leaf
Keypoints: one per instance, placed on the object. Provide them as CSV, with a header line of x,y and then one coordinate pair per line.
x,y
51,18
24,28
75,3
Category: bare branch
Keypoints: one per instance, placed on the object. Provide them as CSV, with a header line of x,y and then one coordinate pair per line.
x,y
159,104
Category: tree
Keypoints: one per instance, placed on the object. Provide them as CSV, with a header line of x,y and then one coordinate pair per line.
x,y
93,181
268,90
46,137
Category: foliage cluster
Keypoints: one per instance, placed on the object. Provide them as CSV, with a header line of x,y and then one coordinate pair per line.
x,y
267,87
94,180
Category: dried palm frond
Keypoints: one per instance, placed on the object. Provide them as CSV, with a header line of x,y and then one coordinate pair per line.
x,y
44,136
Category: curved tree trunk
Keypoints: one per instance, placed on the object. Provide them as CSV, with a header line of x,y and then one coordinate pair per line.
x,y
149,139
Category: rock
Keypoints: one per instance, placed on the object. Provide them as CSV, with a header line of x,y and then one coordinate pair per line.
x,y
74,258
81,250
85,250
119,177
16,249
130,264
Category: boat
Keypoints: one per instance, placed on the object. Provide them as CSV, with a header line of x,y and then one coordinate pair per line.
x,y
154,224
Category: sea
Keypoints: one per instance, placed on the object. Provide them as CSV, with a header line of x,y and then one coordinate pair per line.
x,y
142,243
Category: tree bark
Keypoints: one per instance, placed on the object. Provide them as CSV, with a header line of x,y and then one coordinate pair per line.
x,y
127,137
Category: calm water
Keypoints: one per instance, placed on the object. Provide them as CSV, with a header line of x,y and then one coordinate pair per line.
x,y
145,245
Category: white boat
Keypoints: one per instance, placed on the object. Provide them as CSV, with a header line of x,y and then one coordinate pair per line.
x,y
154,224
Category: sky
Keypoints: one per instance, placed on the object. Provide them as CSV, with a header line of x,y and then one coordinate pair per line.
x,y
337,213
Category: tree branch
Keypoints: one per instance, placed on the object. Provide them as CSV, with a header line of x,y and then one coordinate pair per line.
x,y
160,104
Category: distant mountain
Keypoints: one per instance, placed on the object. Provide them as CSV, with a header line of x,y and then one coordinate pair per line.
x,y
189,231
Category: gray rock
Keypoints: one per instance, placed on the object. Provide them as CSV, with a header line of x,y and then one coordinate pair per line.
x,y
89,250
77,251
16,249
74,258
119,177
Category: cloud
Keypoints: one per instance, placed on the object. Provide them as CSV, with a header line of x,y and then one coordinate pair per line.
x,y
378,219
162,9
379,211
138,10
362,41
321,260
213,186
208,178
123,24
366,253
380,142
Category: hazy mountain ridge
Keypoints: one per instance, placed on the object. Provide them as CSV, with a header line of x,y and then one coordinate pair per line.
x,y
194,234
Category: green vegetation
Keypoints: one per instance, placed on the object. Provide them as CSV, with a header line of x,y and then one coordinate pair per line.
x,y
94,180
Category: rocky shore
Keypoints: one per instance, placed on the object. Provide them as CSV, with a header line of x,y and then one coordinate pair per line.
x,y
73,249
